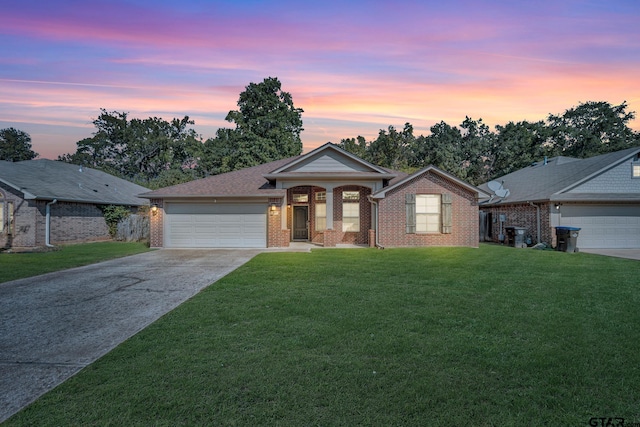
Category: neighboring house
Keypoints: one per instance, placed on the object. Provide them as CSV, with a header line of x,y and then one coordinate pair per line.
x,y
46,202
601,195
328,196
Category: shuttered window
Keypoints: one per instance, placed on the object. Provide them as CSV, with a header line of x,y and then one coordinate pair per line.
x,y
428,213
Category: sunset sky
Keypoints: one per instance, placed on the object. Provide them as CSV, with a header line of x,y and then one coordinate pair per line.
x,y
355,67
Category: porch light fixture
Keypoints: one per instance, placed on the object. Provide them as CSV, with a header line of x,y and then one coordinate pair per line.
x,y
557,207
273,210
154,209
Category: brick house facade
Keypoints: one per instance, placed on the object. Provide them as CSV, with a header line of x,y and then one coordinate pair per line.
x,y
30,189
600,195
328,197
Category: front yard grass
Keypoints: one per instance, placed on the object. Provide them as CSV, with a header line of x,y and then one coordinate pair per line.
x,y
433,336
19,265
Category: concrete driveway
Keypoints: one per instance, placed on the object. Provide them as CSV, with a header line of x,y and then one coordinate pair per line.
x,y
618,253
52,326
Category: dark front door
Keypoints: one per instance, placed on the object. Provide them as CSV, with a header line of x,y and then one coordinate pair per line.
x,y
301,223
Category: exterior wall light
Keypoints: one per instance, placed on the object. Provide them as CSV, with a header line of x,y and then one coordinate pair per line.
x,y
154,209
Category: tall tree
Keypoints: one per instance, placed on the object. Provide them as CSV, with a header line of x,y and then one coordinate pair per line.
x,y
592,128
518,145
15,145
268,126
475,150
442,148
140,150
357,146
391,148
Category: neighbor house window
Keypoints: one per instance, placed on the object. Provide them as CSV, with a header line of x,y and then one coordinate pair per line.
x,y
428,213
10,217
635,169
350,211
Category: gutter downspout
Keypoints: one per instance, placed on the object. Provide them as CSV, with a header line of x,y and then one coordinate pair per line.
x,y
47,232
537,220
375,203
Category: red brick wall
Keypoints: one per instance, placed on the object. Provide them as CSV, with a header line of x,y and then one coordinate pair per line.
x,y
156,223
77,222
276,236
70,222
24,232
392,214
522,215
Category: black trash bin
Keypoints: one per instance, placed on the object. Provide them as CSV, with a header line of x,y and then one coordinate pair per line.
x,y
515,236
567,239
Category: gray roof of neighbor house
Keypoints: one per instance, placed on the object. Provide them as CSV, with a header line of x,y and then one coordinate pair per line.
x,y
45,179
548,180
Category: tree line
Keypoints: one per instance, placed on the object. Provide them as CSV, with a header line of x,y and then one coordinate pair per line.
x,y
155,153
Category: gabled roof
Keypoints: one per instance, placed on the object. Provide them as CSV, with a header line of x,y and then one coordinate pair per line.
x,y
382,193
248,182
259,181
45,179
330,162
551,180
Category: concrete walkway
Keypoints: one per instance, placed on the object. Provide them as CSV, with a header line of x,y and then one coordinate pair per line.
x,y
52,326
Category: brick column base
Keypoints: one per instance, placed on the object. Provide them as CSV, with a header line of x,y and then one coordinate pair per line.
x,y
330,238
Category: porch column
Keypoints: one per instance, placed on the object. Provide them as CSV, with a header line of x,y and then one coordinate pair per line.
x,y
329,202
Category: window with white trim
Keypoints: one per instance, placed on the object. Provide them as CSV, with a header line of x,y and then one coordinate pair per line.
x,y
321,216
350,211
635,170
428,213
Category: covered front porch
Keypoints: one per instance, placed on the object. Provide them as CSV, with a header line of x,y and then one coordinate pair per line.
x,y
328,215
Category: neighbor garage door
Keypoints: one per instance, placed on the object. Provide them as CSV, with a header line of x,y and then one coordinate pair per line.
x,y
215,225
604,226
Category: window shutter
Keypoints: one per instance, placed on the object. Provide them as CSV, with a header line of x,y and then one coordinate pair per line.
x,y
410,203
447,221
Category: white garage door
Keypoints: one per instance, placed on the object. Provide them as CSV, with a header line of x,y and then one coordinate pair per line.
x,y
215,225
604,226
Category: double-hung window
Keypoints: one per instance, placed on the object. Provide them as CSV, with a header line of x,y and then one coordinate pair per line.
x,y
428,213
321,211
350,211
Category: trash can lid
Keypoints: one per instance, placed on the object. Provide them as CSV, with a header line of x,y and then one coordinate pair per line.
x,y
569,228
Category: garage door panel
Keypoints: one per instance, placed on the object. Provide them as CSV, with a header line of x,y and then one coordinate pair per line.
x,y
215,225
604,226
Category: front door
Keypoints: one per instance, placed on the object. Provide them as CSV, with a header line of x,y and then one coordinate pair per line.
x,y
301,223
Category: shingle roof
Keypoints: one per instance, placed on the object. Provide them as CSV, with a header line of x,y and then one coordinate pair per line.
x,y
543,180
406,178
248,182
45,179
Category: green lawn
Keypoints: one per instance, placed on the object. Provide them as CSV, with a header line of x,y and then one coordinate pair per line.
x,y
18,265
416,337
